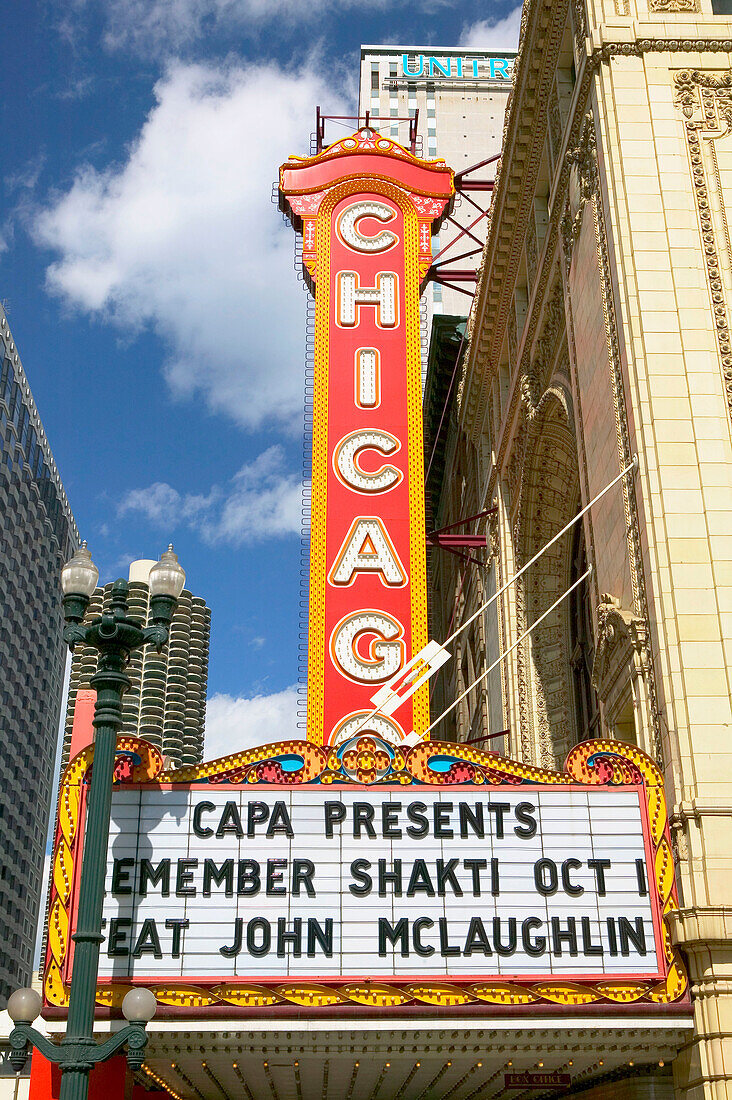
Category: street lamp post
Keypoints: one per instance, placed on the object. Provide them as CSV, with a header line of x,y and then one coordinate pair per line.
x,y
115,636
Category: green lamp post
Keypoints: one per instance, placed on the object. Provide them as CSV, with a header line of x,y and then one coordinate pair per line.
x,y
115,636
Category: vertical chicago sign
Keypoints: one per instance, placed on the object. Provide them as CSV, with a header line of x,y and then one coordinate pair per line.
x,y
367,210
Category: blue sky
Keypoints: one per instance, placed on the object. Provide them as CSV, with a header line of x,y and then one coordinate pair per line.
x,y
150,288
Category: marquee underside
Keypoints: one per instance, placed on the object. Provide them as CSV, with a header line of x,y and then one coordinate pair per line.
x,y
321,1059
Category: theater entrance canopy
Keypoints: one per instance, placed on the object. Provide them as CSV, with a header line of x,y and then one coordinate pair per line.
x,y
370,920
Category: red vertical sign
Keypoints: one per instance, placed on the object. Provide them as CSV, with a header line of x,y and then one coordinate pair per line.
x,y
367,210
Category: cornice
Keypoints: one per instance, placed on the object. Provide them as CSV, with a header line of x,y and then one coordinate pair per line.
x,y
513,195
515,183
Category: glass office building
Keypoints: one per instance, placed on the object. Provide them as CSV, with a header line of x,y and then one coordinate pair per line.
x,y
37,534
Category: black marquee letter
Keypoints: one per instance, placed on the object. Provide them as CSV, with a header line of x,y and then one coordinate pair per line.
x,y
198,829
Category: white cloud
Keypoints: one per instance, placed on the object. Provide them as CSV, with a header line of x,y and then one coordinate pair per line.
x,y
493,34
234,723
182,236
261,501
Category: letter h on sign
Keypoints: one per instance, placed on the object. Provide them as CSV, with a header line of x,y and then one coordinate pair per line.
x,y
367,210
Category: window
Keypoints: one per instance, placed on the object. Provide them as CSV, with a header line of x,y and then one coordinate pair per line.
x,y
374,78
24,426
13,399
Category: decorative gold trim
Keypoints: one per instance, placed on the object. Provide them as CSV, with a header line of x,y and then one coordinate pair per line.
x,y
596,763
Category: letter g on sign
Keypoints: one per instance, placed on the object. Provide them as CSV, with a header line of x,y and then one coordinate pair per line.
x,y
385,650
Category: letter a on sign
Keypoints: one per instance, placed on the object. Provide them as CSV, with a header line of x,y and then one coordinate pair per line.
x,y
367,549
367,210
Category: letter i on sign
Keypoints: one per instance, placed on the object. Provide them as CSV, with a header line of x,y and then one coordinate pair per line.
x,y
367,210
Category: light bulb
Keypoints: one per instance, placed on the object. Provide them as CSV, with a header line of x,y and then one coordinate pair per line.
x,y
80,575
167,577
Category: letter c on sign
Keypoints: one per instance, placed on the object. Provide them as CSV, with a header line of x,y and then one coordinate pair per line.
x,y
348,468
385,650
351,235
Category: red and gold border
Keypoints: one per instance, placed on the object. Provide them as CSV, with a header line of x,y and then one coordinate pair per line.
x,y
592,763
317,647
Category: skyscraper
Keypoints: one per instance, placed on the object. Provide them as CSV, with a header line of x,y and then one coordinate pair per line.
x,y
460,97
166,703
37,534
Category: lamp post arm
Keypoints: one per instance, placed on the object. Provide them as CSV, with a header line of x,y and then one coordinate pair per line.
x,y
156,635
73,633
24,1034
80,1053
136,1038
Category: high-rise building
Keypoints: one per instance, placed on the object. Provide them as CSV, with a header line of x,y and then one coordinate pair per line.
x,y
459,97
166,702
37,535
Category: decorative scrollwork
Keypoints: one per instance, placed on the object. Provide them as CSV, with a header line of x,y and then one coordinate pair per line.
x,y
705,100
365,760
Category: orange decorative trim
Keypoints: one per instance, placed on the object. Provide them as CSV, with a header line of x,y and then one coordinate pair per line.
x,y
592,763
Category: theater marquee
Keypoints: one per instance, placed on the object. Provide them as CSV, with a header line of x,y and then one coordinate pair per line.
x,y
373,875
321,881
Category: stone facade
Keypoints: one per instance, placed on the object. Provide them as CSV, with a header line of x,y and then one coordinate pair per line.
x,y
601,330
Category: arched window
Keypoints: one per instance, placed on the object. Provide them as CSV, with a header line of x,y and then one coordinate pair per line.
x,y
582,644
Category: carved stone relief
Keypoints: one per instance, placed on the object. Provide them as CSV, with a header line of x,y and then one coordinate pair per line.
x,y
555,125
705,100
535,377
621,662
674,5
582,160
531,251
